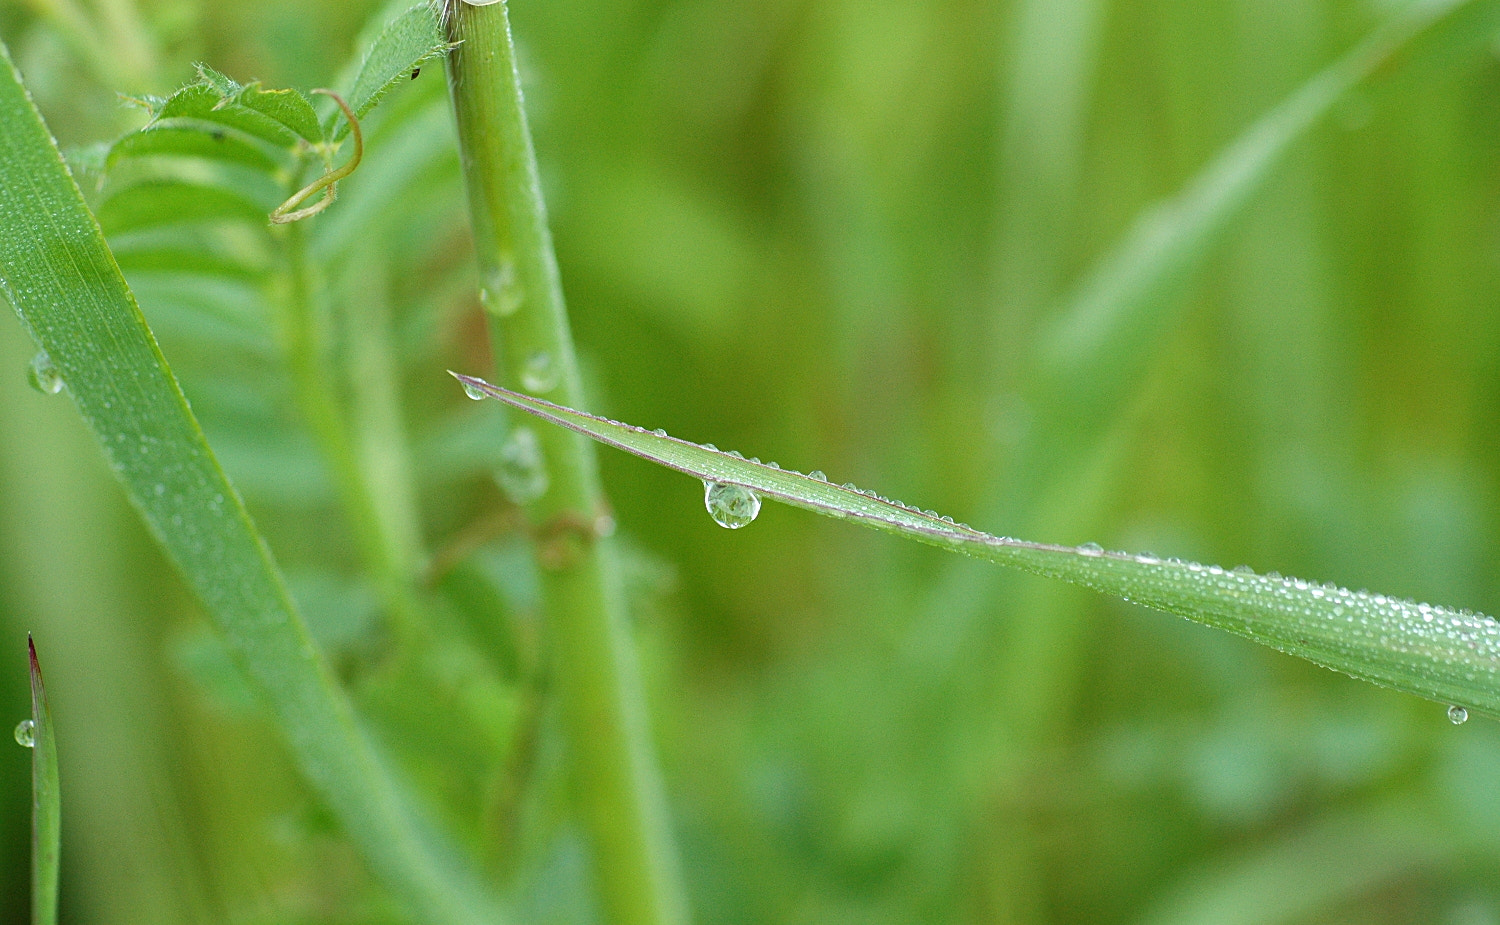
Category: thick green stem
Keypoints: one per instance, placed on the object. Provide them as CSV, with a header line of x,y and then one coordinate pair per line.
x,y
594,669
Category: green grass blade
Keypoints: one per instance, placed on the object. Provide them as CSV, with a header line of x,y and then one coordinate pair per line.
x,y
1446,655
46,802
61,279
1121,307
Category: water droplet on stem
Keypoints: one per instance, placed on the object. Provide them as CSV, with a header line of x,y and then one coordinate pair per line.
x,y
502,292
1457,715
473,391
731,506
522,470
26,733
541,373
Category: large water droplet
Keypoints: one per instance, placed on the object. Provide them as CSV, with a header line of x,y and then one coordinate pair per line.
x,y
26,733
473,391
43,376
730,506
818,475
540,374
1457,715
522,471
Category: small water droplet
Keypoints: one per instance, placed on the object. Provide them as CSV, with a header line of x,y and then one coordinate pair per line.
x,y
710,446
818,475
540,374
1091,549
43,376
26,733
659,432
502,292
1457,715
522,471
731,506
472,390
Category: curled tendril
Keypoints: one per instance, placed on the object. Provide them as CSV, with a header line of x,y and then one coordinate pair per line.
x,y
288,212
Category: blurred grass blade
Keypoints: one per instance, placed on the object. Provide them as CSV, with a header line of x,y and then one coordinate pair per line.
x,y
46,802
60,277
178,140
1122,305
168,202
1445,655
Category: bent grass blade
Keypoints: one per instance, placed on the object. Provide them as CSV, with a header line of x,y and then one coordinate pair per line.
x,y
1450,656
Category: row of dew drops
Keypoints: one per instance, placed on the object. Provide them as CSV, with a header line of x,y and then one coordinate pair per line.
x,y
522,474
522,471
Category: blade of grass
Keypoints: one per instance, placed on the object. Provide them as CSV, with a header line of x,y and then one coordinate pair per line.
x,y
1088,365
46,801
1450,656
1124,303
61,279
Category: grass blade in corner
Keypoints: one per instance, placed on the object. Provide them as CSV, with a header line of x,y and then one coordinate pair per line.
x,y
61,279
1450,656
46,801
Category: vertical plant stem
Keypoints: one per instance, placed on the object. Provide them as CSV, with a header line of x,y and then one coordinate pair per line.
x,y
594,669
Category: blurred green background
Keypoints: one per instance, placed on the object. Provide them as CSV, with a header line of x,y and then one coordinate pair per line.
x,y
831,233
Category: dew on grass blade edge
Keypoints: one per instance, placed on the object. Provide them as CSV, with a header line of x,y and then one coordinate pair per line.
x,y
472,390
1457,715
731,506
26,733
43,375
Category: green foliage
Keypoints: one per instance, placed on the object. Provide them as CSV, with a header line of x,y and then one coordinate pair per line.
x,y
1209,279
63,283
